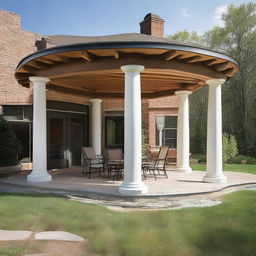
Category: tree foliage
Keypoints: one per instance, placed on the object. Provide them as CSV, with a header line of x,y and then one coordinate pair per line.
x,y
229,147
186,36
238,39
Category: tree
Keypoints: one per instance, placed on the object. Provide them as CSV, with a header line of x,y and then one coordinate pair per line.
x,y
186,36
198,100
238,38
229,147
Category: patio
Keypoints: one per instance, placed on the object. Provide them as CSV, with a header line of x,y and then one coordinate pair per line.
x,y
70,181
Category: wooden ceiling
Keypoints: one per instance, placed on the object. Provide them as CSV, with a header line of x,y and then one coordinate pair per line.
x,y
96,72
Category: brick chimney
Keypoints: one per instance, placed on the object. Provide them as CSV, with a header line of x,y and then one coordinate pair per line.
x,y
152,25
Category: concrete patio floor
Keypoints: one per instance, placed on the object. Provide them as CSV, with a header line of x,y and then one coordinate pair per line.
x,y
71,182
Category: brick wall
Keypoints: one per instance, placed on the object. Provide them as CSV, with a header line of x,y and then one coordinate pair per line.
x,y
15,45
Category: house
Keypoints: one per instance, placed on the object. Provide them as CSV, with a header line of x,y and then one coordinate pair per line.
x,y
103,91
68,115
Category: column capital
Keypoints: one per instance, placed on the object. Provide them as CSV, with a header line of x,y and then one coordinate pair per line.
x,y
183,92
215,82
39,79
132,68
96,100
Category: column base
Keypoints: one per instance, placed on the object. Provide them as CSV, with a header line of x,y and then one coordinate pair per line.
x,y
215,178
39,178
183,169
133,189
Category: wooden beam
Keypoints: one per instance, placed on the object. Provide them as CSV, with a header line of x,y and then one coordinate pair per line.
x,y
229,71
44,60
221,66
170,55
29,69
193,59
38,64
212,62
86,55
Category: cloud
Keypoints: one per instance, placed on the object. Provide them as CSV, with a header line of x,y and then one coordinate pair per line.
x,y
219,10
184,12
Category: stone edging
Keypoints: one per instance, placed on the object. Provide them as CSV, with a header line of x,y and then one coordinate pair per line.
x,y
19,235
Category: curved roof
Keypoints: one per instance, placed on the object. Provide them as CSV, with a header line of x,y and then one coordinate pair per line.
x,y
91,65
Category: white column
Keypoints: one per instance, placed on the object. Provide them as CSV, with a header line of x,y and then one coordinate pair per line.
x,y
132,184
39,172
183,133
96,125
214,134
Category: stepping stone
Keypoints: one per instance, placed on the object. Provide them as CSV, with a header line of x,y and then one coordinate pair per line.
x,y
14,235
58,235
37,254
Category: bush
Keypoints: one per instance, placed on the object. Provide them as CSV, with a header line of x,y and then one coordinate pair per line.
x,y
229,147
242,160
193,161
199,158
9,144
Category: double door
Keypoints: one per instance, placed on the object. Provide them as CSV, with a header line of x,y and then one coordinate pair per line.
x,y
67,134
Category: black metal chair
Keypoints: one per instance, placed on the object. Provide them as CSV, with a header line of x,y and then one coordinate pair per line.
x,y
91,161
114,162
158,165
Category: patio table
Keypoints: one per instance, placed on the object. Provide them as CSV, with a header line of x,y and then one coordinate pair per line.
x,y
118,166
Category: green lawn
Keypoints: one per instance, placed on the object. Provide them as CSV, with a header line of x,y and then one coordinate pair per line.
x,y
226,229
246,168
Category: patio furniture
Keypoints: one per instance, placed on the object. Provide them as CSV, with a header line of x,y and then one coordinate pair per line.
x,y
115,162
91,161
158,165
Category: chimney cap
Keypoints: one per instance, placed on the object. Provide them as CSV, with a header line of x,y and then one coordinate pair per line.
x,y
152,15
152,25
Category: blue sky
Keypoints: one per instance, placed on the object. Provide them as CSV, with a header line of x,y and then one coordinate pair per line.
x,y
102,17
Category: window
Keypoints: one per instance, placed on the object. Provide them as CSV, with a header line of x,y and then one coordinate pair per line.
x,y
115,131
18,113
169,133
20,119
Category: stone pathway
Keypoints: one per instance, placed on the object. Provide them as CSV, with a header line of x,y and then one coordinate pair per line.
x,y
58,236
17,235
8,235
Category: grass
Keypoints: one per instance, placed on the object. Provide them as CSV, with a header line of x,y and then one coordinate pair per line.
x,y
226,229
245,168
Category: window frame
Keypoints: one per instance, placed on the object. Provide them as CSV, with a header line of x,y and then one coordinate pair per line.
x,y
164,131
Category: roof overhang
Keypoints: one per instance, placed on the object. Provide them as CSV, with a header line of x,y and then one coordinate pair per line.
x,y
93,69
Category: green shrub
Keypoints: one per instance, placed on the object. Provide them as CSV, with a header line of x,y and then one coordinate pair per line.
x,y
199,158
229,147
194,161
9,144
242,160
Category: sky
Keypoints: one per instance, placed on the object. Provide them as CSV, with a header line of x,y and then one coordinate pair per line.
x,y
106,17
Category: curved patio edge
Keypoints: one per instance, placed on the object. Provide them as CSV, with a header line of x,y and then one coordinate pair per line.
x,y
11,187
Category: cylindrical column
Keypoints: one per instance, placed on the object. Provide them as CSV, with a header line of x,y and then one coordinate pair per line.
x,y
160,132
214,134
39,172
96,125
132,184
183,133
